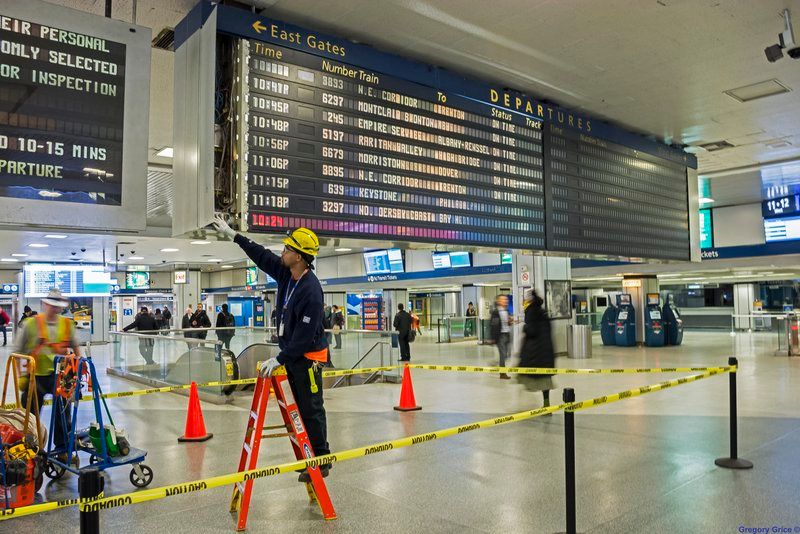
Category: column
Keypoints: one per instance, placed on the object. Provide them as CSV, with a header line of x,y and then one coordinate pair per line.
x,y
552,281
638,287
185,295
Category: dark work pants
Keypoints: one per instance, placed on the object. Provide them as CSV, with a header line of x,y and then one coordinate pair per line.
x,y
405,346
3,329
311,406
45,386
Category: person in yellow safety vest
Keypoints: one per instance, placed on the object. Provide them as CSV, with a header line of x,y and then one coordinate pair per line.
x,y
45,336
301,338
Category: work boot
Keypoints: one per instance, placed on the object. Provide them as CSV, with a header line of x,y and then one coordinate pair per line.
x,y
505,376
306,478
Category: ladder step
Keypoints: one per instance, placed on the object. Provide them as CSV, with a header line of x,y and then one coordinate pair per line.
x,y
253,414
281,404
246,446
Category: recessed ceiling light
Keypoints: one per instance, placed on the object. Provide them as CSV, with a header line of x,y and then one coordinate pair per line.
x,y
20,255
214,260
343,249
56,236
135,258
165,152
38,245
169,250
9,260
200,242
227,266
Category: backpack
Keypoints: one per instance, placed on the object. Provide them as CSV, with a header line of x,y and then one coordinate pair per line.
x,y
412,335
230,320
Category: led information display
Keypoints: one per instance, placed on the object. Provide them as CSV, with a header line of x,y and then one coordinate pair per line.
x,y
61,114
73,281
604,198
346,151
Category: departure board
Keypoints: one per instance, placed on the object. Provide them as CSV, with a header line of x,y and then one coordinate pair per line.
x,y
62,99
608,199
349,152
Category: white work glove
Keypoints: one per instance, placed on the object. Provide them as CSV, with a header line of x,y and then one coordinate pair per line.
x,y
223,227
268,367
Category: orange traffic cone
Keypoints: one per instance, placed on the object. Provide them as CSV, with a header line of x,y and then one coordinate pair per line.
x,y
407,401
195,427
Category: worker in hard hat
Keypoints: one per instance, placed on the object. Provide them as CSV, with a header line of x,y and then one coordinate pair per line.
x,y
45,336
301,337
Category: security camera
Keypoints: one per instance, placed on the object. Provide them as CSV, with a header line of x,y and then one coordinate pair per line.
x,y
73,253
121,254
163,261
133,252
83,250
785,41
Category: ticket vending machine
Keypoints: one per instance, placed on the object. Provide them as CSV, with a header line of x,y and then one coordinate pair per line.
x,y
672,322
654,332
625,330
608,324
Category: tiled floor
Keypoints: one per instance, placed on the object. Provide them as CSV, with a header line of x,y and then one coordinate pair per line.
x,y
645,464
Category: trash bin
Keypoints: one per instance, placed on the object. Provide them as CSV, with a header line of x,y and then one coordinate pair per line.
x,y
579,341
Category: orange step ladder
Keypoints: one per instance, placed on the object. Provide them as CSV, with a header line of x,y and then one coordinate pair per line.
x,y
296,432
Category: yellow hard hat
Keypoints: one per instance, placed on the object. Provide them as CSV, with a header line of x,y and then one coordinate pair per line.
x,y
303,240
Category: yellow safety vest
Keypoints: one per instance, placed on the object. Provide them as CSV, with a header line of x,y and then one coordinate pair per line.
x,y
45,350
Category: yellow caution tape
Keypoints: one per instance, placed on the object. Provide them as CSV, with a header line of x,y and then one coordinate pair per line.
x,y
45,507
559,371
622,395
226,480
162,492
242,381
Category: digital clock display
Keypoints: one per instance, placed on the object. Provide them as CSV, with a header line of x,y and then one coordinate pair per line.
x,y
61,114
780,207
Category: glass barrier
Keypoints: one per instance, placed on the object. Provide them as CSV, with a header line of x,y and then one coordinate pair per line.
x,y
761,332
179,356
452,329
155,359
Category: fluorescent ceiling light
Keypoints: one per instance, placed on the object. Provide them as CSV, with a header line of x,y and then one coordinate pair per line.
x,y
38,245
120,262
49,194
165,152
214,260
9,260
169,250
56,236
200,242
705,200
135,258
227,266
20,255
343,249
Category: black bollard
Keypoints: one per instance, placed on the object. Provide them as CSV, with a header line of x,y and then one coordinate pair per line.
x,y
569,464
734,462
90,485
